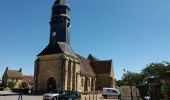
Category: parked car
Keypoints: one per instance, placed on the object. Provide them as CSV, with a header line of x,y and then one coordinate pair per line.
x,y
52,95
70,95
110,92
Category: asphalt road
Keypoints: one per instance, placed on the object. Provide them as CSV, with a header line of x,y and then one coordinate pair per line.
x,y
15,97
5,95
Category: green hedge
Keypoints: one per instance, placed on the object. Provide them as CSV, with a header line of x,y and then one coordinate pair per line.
x,y
1,88
17,90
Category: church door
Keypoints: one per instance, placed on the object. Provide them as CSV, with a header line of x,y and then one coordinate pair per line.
x,y
51,84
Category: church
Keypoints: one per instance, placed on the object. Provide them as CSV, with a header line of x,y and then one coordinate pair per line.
x,y
59,67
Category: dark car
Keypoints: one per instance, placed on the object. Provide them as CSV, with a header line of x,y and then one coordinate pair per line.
x,y
71,95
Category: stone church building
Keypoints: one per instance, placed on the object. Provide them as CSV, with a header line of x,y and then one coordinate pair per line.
x,y
58,66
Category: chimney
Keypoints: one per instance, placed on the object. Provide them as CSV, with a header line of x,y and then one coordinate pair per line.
x,y
20,70
6,68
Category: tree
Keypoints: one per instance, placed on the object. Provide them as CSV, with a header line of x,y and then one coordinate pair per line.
x,y
151,70
130,78
11,84
156,69
119,83
24,85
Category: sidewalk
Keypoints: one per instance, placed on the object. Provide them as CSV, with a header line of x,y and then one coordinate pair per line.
x,y
95,97
7,93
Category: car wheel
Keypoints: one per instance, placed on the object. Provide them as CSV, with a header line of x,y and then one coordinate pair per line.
x,y
105,96
55,98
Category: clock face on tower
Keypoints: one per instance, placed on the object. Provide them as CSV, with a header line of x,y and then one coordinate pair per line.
x,y
60,22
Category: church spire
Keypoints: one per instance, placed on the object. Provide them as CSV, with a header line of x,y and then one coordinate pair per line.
x,y
60,30
60,2
60,23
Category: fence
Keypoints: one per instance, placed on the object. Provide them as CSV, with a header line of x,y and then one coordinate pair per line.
x,y
97,97
90,97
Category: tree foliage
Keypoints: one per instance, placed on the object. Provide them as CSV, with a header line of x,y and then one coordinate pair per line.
x,y
151,70
24,85
120,83
11,84
131,78
156,69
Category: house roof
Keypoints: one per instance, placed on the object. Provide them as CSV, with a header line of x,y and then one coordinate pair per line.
x,y
102,67
60,2
92,58
85,67
29,79
59,47
14,73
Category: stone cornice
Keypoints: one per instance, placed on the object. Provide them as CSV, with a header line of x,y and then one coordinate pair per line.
x,y
58,57
85,75
50,57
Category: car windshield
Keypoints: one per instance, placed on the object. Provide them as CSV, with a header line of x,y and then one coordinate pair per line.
x,y
54,91
70,93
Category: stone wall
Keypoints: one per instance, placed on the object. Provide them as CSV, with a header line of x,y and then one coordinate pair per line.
x,y
104,80
61,67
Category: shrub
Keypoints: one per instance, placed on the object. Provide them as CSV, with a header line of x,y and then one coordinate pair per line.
x,y
17,90
11,84
1,88
24,85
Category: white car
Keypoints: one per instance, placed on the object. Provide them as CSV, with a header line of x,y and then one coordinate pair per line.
x,y
110,92
52,95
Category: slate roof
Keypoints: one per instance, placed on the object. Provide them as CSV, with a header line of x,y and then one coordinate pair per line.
x,y
102,67
51,49
85,66
92,58
14,74
59,47
60,2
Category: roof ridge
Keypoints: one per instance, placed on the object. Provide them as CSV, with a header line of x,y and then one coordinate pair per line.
x,y
92,58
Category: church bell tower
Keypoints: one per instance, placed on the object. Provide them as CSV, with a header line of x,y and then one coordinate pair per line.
x,y
59,41
60,23
56,66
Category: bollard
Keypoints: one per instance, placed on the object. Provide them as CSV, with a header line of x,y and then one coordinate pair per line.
x,y
85,97
89,97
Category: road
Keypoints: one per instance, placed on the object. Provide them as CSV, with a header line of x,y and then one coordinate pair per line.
x,y
14,96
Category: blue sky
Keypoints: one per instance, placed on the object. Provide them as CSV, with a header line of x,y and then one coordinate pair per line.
x,y
133,33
